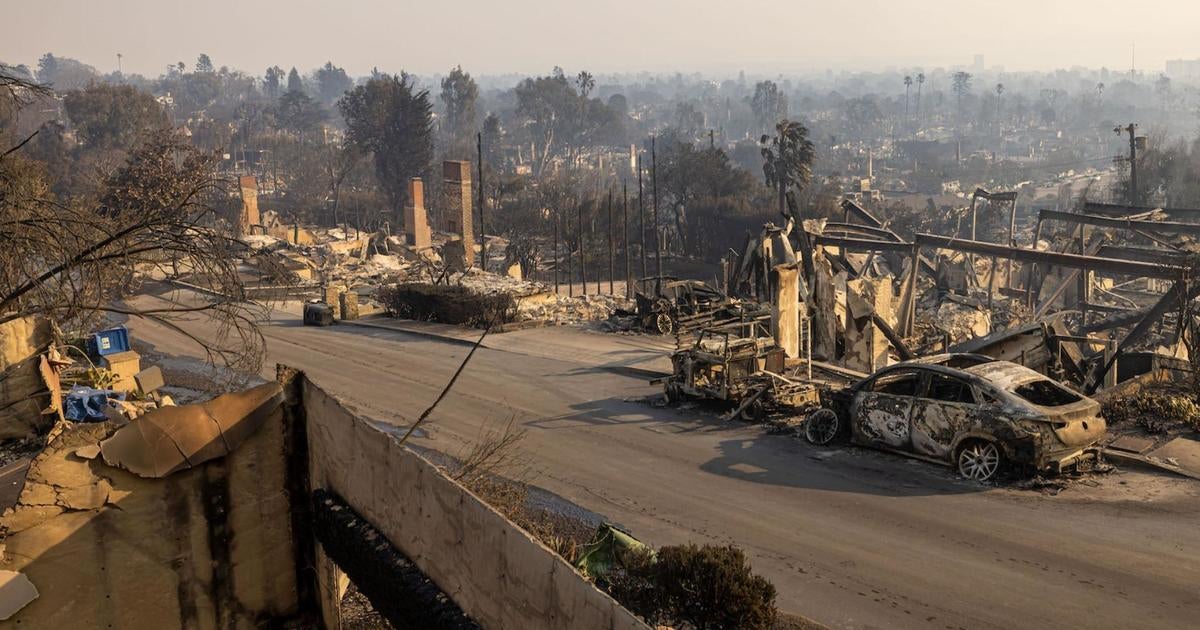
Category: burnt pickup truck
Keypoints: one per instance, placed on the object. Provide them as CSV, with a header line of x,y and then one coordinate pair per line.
x,y
968,411
737,363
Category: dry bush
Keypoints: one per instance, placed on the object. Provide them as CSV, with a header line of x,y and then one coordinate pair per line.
x,y
446,304
707,588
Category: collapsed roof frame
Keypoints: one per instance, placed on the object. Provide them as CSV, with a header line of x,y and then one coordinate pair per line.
x,y
1125,210
1145,319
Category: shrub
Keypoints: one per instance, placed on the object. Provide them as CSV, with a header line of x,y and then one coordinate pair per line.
x,y
707,588
447,304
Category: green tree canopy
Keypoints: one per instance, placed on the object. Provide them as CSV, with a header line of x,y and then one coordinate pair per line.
x,y
459,96
332,82
390,119
113,116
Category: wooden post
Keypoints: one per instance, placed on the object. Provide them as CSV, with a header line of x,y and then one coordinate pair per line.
x,y
654,187
611,254
1030,298
582,252
974,199
1082,286
642,219
482,219
910,309
1012,238
554,217
625,238
570,270
991,282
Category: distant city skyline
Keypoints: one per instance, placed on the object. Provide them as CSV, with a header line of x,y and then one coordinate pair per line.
x,y
532,36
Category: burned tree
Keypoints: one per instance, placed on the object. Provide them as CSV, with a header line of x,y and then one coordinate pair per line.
x,y
74,261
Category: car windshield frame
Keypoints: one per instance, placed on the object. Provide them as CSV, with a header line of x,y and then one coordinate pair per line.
x,y
1044,392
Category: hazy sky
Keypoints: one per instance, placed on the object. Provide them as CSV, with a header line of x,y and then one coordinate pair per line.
x,y
527,36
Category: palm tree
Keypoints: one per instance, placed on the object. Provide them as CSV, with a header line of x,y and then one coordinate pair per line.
x,y
586,82
962,86
787,164
920,82
907,87
999,94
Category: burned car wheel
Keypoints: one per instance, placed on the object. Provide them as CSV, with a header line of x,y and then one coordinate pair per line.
x,y
755,412
979,460
673,392
664,324
822,426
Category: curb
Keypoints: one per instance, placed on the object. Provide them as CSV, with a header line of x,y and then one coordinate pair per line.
x,y
408,331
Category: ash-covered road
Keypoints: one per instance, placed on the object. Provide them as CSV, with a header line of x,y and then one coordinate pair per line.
x,y
851,538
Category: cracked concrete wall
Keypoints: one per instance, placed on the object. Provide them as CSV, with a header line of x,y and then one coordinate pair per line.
x,y
23,394
205,547
496,572
867,348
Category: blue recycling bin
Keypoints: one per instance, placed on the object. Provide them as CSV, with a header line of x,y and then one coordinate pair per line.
x,y
109,341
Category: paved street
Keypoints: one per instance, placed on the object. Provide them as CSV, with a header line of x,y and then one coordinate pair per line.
x,y
851,538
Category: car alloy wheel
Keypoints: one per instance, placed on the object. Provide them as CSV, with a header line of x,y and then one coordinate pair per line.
x,y
664,324
979,460
822,426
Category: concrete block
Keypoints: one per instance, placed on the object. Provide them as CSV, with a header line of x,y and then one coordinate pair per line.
x,y
149,379
125,365
349,305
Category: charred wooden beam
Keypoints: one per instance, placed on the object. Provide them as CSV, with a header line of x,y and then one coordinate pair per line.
x,y
861,213
861,244
1125,210
1074,261
1179,294
1006,196
897,343
1174,227
1143,254
863,230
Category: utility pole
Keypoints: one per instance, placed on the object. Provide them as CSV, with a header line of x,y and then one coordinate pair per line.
x,y
482,220
611,259
654,187
642,216
1133,178
625,238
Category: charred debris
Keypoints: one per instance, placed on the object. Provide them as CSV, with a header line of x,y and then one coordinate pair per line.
x,y
1093,306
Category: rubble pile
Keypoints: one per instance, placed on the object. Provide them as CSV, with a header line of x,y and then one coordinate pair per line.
x,y
561,309
1156,412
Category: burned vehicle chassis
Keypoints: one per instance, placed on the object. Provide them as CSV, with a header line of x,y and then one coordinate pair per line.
x,y
737,363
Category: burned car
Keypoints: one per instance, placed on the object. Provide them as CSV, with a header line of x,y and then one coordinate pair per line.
x,y
677,299
969,411
317,313
738,363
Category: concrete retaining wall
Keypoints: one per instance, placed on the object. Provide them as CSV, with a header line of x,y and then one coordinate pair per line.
x,y
500,575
